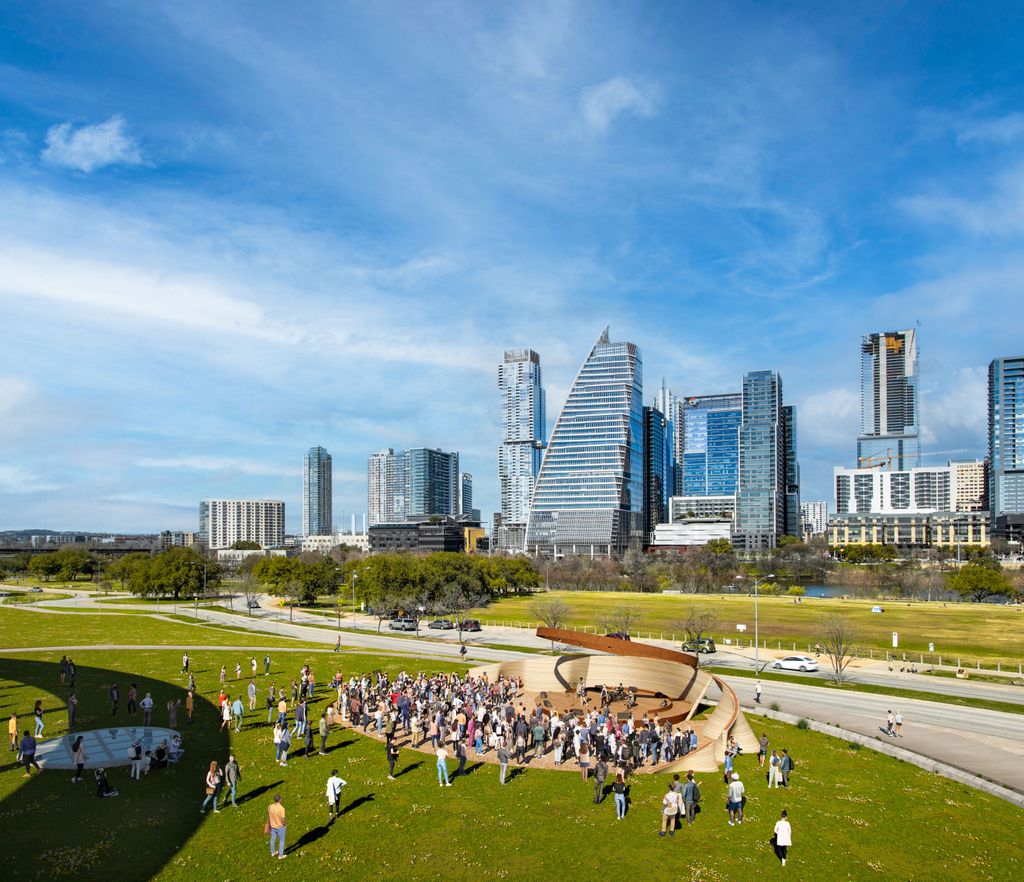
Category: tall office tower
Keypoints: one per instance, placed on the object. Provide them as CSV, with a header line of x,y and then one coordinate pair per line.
x,y
672,409
792,467
814,516
522,447
204,521
761,491
657,469
387,487
317,513
466,495
434,483
708,464
589,494
889,431
251,520
1006,446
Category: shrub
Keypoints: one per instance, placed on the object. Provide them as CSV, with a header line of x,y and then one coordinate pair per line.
x,y
802,724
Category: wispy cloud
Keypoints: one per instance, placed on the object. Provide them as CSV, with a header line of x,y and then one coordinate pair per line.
x,y
88,148
603,104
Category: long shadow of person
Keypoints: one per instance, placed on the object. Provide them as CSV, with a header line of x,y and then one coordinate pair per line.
x,y
307,838
352,806
258,791
408,769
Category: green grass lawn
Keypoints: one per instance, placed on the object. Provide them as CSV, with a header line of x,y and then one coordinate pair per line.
x,y
30,628
984,632
857,815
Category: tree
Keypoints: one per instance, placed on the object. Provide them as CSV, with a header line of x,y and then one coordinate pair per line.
x,y
122,568
976,581
719,546
620,619
699,620
637,569
44,565
177,571
277,572
251,590
382,607
245,545
552,611
837,637
73,561
318,577
456,601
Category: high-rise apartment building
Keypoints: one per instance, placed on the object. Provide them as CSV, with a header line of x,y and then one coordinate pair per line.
x,y
1006,446
589,494
317,514
889,433
657,469
522,446
955,487
415,483
228,521
814,516
792,467
767,462
971,479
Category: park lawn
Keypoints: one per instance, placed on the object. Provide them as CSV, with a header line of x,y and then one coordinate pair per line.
x,y
976,631
857,815
26,627
20,598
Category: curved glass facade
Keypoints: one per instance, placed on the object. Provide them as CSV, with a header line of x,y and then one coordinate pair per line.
x,y
589,494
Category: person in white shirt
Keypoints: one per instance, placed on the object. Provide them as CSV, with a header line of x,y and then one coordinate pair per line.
x,y
147,709
669,810
783,837
899,724
757,691
334,785
735,800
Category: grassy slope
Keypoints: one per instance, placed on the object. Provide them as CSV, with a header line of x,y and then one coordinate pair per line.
x,y
856,814
976,631
31,628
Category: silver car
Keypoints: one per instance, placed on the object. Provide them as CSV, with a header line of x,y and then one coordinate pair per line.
x,y
796,663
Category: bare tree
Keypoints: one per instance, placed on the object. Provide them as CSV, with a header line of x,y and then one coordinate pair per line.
x,y
838,637
250,589
620,619
697,623
552,611
457,601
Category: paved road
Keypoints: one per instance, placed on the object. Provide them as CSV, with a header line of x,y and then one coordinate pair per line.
x,y
986,743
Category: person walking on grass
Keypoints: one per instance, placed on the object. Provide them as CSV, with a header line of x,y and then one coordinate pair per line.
x,y
115,697
27,752
276,826
502,761
12,732
214,781
735,800
232,775
63,668
308,738
442,767
72,672
782,838
79,757
691,796
238,670
283,745
785,767
37,712
225,714
252,665
271,698
223,675
72,710
190,705
266,666
133,694
184,663
762,750
774,770
600,775
252,695
619,791
392,753
147,710
669,809
238,712
334,785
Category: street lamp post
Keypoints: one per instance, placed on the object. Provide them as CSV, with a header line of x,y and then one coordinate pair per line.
x,y
354,576
757,643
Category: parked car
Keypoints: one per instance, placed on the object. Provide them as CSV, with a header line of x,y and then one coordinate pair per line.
x,y
878,609
406,623
470,625
253,604
796,663
441,624
705,645
35,589
618,635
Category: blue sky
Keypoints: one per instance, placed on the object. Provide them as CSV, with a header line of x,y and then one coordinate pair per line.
x,y
232,231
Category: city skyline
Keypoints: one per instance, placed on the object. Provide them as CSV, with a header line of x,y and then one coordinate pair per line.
x,y
538,173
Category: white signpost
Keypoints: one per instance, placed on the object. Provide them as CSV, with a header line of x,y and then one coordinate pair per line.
x,y
741,627
895,640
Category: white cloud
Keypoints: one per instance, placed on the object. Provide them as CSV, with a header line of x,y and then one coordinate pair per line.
x,y
601,105
215,464
829,419
956,411
1001,130
15,479
91,147
1000,213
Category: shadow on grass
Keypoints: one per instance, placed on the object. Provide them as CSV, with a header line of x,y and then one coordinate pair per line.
x,y
307,838
470,769
259,791
352,806
408,769
333,747
514,773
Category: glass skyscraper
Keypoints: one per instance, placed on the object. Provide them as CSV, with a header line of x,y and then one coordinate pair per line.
x,y
317,515
522,448
415,483
657,469
889,433
589,494
761,503
710,448
1006,444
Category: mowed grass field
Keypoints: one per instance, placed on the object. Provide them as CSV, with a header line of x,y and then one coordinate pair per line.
x,y
986,632
27,627
856,815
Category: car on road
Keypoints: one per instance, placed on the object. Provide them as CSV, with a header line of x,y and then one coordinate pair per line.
x,y
795,663
441,625
253,604
35,589
470,625
405,623
618,635
705,645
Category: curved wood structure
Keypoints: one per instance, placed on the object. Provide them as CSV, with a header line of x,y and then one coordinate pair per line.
x,y
652,670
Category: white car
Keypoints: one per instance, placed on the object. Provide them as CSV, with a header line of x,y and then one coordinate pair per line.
x,y
796,663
